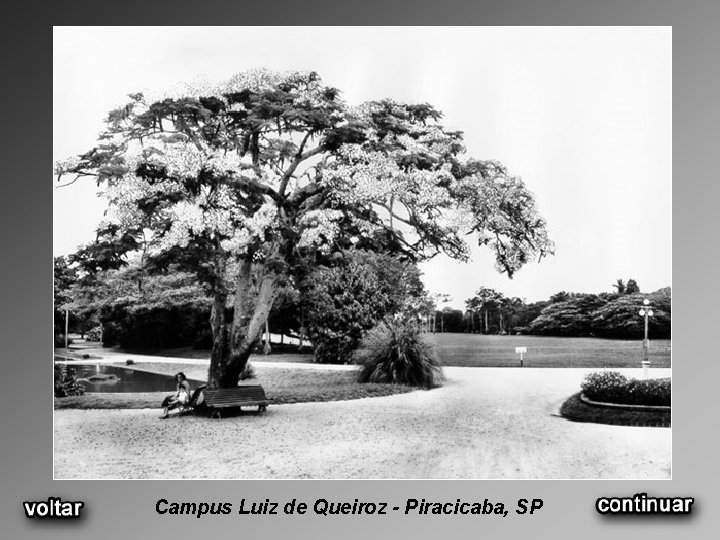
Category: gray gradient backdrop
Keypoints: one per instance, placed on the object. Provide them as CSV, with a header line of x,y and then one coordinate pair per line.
x,y
122,509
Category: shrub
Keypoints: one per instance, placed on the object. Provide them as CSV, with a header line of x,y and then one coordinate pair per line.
x,y
60,341
613,387
396,352
604,383
65,382
111,334
350,297
576,410
649,392
94,334
151,327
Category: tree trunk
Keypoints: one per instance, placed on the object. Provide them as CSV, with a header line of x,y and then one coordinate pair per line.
x,y
301,333
251,312
220,355
231,350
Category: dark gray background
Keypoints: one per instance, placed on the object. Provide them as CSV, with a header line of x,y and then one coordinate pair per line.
x,y
122,509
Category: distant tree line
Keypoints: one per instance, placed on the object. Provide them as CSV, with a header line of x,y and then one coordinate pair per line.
x,y
608,314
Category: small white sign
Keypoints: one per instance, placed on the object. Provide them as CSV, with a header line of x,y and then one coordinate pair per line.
x,y
520,349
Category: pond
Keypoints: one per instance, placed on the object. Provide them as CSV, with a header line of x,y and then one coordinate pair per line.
x,y
105,378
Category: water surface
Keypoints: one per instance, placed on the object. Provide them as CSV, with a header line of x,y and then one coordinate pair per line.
x,y
106,378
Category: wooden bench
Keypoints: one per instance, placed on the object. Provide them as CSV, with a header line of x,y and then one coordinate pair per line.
x,y
240,396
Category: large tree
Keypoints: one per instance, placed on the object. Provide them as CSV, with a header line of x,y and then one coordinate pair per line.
x,y
64,278
244,178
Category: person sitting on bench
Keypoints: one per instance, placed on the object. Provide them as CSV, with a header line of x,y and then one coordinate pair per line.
x,y
179,398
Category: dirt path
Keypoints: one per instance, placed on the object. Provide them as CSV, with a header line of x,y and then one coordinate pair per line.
x,y
484,423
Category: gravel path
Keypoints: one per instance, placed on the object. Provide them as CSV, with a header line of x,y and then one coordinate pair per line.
x,y
484,423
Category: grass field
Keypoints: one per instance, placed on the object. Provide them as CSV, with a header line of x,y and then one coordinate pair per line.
x,y
284,385
499,351
474,350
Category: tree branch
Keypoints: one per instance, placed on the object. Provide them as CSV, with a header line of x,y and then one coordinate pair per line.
x,y
247,182
393,215
300,156
78,175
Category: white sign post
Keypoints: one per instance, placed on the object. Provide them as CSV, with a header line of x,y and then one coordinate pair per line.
x,y
521,351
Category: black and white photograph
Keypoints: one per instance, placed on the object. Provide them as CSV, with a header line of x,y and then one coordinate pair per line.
x,y
357,253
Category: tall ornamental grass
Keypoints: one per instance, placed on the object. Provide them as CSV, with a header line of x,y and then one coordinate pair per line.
x,y
395,351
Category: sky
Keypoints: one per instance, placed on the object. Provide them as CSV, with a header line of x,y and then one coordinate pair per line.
x,y
583,115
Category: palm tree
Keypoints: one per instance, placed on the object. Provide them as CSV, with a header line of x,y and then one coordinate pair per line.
x,y
620,286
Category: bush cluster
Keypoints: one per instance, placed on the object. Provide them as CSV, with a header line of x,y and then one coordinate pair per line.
x,y
396,352
66,383
157,327
604,315
94,334
614,387
59,341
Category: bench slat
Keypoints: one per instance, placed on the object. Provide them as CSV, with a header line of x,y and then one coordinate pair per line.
x,y
236,397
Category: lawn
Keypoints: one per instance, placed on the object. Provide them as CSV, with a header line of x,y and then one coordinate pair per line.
x,y
474,350
284,385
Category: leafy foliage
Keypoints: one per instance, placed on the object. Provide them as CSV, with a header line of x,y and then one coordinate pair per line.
x,y
609,315
396,352
491,312
605,315
602,381
619,318
344,301
613,387
619,286
449,320
571,317
66,383
169,310
576,410
632,287
148,328
64,278
94,334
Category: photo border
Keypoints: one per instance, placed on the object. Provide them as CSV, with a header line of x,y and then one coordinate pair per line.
x,y
116,509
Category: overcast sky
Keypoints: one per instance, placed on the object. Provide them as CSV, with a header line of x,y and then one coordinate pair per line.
x,y
584,115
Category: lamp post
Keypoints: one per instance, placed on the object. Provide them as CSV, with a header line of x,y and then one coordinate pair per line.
x,y
67,317
646,312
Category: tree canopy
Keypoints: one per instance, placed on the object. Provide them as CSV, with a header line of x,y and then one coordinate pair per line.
x,y
269,168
